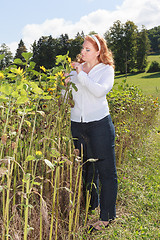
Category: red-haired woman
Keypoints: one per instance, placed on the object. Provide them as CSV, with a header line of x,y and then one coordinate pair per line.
x,y
92,126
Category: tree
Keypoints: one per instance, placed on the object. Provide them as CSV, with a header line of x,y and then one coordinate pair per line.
x,y
115,40
75,46
63,44
154,37
21,48
47,48
8,57
92,33
143,47
130,45
44,52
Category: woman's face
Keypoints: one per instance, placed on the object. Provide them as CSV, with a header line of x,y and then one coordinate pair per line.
x,y
88,52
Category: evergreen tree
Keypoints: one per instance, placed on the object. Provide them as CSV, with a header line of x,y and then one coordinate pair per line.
x,y
45,52
21,48
75,46
63,44
47,48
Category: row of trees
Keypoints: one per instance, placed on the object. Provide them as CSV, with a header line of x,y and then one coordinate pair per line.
x,y
47,48
129,45
44,50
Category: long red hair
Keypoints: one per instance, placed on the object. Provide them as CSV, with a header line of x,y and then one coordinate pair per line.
x,y
105,55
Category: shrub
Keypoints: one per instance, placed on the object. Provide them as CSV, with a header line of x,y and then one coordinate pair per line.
x,y
132,113
154,67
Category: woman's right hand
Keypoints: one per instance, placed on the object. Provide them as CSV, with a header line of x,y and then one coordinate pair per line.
x,y
77,66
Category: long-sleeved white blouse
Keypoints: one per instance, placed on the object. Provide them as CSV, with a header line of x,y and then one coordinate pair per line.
x,y
90,99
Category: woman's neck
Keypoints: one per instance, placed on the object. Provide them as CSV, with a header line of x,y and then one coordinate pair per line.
x,y
90,65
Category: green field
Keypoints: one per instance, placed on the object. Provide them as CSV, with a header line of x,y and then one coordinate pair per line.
x,y
152,58
149,83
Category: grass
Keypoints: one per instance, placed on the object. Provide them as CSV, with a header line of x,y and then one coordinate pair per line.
x,y
138,203
149,83
152,58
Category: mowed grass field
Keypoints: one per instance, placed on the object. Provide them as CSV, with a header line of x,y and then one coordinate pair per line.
x,y
149,83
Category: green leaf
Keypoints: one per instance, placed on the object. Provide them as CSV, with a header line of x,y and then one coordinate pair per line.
x,y
22,100
35,88
74,86
6,89
3,98
30,158
27,55
36,73
60,59
47,97
29,110
18,61
54,71
11,75
15,94
31,65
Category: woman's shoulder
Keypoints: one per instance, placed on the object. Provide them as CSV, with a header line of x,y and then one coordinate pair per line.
x,y
106,67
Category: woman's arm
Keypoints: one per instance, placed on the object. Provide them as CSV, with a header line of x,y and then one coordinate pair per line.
x,y
100,88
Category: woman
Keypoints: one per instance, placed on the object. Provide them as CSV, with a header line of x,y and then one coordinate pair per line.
x,y
92,127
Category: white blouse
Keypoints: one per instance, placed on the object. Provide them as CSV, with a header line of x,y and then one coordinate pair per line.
x,y
90,99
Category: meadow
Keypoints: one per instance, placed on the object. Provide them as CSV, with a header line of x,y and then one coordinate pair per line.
x,y
149,83
40,172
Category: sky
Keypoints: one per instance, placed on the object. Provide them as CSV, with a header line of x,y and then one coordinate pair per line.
x,y
29,20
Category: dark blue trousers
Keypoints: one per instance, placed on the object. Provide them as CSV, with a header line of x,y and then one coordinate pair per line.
x,y
100,177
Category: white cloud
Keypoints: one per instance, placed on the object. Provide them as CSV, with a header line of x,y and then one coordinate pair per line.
x,y
141,12
13,47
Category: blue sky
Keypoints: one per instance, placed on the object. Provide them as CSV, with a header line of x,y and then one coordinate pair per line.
x,y
31,19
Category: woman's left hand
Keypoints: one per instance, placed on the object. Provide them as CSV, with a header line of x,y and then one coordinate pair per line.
x,y
67,78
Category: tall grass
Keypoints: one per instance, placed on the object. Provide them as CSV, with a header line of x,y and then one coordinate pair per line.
x,y
37,157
